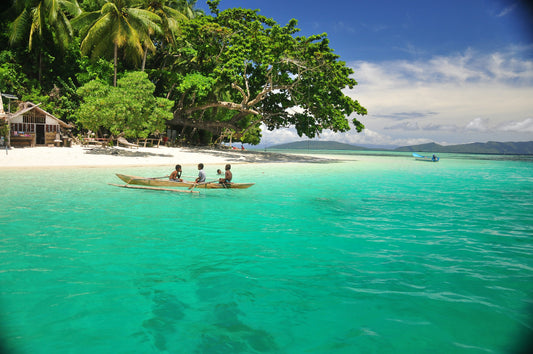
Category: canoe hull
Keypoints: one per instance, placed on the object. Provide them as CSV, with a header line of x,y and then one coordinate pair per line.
x,y
153,182
425,158
428,159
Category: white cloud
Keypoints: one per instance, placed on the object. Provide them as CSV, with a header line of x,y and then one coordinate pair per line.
x,y
506,10
449,98
441,127
343,27
405,126
522,126
371,137
478,124
279,136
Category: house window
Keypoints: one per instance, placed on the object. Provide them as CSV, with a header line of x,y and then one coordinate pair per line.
x,y
33,119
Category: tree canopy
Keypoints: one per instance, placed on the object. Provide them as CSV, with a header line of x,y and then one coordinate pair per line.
x,y
238,70
129,109
210,77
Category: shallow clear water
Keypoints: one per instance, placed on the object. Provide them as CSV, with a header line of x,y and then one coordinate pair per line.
x,y
380,254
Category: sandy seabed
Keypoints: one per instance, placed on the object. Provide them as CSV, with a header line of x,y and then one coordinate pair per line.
x,y
78,156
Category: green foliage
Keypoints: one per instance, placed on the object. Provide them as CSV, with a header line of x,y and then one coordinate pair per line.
x,y
227,75
37,97
38,18
252,135
99,69
96,107
240,69
65,99
118,24
12,77
4,130
91,5
199,84
129,109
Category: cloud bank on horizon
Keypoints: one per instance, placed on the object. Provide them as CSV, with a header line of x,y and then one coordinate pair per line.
x,y
462,98
446,71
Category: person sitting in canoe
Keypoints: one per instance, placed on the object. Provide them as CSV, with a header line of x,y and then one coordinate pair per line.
x,y
176,174
227,176
201,173
434,158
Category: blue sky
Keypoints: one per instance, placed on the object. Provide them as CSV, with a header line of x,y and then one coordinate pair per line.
x,y
448,71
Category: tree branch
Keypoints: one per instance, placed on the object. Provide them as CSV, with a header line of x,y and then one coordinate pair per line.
x,y
221,104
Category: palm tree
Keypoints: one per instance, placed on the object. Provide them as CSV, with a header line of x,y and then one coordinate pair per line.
x,y
39,17
187,7
169,20
117,25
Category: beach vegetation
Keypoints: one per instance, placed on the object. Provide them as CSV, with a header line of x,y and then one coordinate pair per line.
x,y
130,109
211,78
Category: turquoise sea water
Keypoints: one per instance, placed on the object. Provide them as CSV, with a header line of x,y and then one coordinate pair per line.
x,y
382,254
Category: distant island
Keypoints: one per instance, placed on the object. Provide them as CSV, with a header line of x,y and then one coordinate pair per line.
x,y
491,147
317,145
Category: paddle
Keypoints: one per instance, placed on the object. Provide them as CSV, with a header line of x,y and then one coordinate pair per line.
x,y
152,188
195,184
159,177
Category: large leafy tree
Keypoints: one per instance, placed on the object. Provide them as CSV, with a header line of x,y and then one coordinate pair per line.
x,y
238,70
129,109
119,24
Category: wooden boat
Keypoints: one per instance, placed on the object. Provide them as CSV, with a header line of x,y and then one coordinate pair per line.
x,y
158,182
426,158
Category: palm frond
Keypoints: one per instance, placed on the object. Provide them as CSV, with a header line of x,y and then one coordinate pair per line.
x,y
52,10
36,24
19,28
71,7
94,39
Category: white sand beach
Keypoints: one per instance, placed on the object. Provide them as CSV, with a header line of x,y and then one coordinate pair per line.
x,y
78,156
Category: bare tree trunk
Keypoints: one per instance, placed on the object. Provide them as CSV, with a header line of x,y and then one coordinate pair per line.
x,y
40,65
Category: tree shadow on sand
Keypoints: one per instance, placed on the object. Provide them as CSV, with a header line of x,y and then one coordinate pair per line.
x,y
249,156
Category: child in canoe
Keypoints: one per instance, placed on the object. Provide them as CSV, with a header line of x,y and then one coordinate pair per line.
x,y
176,174
227,176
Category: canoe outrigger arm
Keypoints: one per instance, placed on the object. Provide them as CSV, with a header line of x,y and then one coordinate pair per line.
x,y
152,188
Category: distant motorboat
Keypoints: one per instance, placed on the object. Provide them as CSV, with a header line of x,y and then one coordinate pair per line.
x,y
433,158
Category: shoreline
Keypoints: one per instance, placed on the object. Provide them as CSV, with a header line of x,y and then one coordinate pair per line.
x,y
86,157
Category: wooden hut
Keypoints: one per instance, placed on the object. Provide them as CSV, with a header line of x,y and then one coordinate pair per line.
x,y
32,126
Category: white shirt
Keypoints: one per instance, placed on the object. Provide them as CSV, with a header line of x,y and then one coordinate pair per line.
x,y
201,176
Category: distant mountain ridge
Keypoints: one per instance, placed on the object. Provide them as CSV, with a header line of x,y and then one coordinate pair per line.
x,y
491,147
317,145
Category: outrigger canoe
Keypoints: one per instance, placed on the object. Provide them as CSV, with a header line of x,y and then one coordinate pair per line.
x,y
426,158
155,182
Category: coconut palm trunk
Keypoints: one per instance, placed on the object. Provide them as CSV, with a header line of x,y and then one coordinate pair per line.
x,y
144,58
115,63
